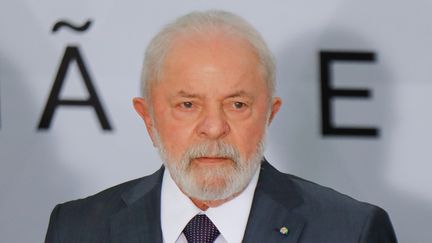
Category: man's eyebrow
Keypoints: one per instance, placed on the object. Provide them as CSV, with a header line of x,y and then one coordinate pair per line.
x,y
186,94
239,94
183,93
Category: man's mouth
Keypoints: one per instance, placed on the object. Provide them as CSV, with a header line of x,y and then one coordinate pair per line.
x,y
211,160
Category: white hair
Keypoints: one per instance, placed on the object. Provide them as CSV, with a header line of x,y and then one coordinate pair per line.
x,y
207,22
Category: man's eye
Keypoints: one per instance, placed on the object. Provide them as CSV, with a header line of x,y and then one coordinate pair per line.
x,y
187,105
239,105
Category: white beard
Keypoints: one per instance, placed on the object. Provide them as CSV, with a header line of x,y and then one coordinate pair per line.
x,y
209,183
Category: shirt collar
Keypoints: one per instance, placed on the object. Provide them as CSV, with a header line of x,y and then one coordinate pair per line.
x,y
230,218
176,209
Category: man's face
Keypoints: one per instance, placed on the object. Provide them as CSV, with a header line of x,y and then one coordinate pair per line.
x,y
210,110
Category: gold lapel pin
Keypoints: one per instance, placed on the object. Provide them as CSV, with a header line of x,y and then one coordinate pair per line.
x,y
284,230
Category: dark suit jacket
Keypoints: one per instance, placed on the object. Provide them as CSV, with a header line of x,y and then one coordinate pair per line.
x,y
130,213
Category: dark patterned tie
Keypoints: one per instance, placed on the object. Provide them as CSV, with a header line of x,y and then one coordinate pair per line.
x,y
200,229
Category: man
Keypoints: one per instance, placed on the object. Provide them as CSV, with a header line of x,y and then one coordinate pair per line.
x,y
208,97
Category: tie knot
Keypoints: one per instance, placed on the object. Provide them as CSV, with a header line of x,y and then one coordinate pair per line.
x,y
200,229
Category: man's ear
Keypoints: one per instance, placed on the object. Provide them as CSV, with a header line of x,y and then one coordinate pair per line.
x,y
275,106
142,107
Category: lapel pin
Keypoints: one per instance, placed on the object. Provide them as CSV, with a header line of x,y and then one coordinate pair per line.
x,y
283,231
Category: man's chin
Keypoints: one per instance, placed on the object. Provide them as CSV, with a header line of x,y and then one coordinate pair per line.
x,y
207,185
213,190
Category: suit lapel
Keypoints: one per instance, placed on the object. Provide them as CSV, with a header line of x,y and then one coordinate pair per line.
x,y
272,209
139,221
274,200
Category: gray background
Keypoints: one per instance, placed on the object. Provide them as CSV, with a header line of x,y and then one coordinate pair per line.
x,y
76,158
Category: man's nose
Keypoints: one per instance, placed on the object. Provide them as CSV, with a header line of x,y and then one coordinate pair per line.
x,y
213,124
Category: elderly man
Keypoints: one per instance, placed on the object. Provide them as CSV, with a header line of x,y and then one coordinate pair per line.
x,y
208,98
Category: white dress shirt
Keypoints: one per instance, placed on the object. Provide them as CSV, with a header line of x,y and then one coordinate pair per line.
x,y
230,218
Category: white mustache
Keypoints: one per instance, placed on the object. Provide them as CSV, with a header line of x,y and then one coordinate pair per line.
x,y
213,149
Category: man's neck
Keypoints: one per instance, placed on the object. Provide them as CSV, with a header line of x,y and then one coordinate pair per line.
x,y
204,205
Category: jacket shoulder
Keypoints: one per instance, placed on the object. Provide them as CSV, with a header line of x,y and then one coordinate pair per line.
x,y
286,188
325,197
354,220
91,216
329,215
108,198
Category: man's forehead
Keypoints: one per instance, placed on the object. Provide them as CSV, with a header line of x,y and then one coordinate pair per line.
x,y
228,94
221,43
216,65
